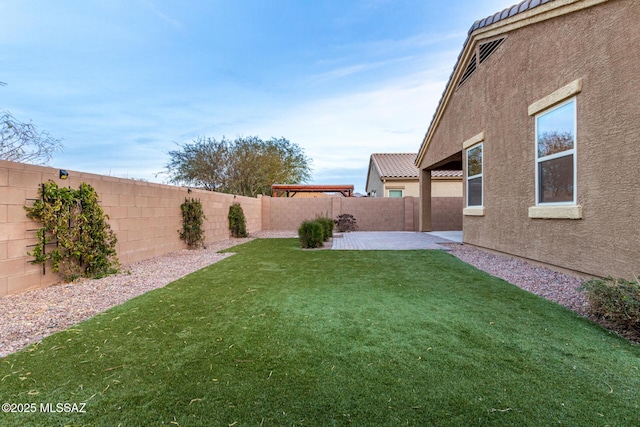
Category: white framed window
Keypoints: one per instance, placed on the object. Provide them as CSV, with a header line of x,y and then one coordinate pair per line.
x,y
395,193
555,145
474,176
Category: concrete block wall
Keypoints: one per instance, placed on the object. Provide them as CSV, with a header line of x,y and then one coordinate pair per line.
x,y
379,213
372,214
145,216
17,184
282,213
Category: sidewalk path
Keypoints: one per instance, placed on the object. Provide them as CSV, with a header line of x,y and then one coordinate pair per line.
x,y
391,240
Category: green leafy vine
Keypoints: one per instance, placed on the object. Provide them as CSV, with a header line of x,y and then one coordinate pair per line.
x,y
237,221
192,220
76,223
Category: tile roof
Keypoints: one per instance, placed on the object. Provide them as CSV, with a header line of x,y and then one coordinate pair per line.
x,y
446,174
401,165
395,165
509,12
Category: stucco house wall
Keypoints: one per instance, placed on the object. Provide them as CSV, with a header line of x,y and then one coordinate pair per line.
x,y
397,171
444,187
595,45
409,187
375,187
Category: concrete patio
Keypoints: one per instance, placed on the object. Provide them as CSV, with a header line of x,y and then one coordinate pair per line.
x,y
394,240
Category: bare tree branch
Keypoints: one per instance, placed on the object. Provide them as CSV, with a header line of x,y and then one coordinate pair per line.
x,y
23,142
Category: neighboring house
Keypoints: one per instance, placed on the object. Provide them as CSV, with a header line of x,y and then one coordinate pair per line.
x,y
396,175
542,113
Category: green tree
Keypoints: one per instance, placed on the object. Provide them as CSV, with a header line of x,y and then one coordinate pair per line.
x,y
202,163
247,166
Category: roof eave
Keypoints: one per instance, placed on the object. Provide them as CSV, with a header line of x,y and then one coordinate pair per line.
x,y
544,11
371,162
400,178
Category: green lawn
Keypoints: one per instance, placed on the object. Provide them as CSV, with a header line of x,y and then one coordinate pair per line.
x,y
279,336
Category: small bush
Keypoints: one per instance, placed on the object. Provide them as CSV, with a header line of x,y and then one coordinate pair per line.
x,y
311,234
346,223
617,301
193,218
327,227
237,221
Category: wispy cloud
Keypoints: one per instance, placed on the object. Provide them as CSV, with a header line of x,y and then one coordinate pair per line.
x,y
120,81
173,22
342,131
349,70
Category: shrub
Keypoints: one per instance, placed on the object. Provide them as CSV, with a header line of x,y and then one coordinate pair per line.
x,y
192,218
237,221
617,301
73,220
311,234
327,227
345,223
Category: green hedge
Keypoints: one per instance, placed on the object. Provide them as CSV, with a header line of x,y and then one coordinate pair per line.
x,y
327,227
237,221
616,301
311,234
192,232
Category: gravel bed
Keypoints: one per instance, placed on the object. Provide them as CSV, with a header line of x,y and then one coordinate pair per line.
x,y
552,285
28,317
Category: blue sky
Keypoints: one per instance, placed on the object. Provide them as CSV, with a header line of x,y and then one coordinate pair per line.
x,y
121,81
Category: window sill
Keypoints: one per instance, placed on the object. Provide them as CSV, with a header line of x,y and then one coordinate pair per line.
x,y
556,212
473,212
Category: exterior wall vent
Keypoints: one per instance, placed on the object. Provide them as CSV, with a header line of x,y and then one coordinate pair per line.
x,y
481,54
470,69
487,49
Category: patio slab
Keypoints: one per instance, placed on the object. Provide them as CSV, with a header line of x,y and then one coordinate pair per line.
x,y
392,240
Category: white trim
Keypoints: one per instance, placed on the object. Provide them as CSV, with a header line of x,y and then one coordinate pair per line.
x,y
467,178
571,152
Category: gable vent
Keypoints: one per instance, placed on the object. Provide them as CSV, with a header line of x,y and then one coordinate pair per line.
x,y
470,69
487,49
481,54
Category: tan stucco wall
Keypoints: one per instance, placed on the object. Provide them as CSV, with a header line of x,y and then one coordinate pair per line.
x,y
410,188
445,187
601,46
440,187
